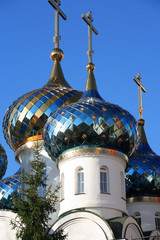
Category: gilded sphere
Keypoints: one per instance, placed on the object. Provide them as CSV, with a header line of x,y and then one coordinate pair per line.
x,y
57,54
90,66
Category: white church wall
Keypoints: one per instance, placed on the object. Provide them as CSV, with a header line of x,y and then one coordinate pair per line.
x,y
131,229
155,234
26,153
6,231
84,225
107,205
147,211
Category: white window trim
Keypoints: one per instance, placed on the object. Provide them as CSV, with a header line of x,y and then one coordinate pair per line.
x,y
137,216
104,169
80,185
157,220
122,181
62,186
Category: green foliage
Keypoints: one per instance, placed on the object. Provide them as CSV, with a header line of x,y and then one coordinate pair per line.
x,y
33,208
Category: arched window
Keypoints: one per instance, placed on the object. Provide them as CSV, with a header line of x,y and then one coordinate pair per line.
x,y
157,220
137,216
41,189
122,181
62,186
104,180
80,180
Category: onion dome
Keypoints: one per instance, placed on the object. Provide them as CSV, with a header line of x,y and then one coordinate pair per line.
x,y
90,122
143,172
3,161
8,186
27,115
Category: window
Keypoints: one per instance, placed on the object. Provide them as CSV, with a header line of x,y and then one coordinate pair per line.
x,y
104,180
80,180
137,216
157,220
122,185
62,186
41,189
123,193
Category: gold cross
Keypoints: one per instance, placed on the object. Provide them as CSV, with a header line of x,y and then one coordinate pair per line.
x,y
91,28
55,4
138,80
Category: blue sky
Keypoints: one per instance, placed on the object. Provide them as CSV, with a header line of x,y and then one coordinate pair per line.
x,y
128,43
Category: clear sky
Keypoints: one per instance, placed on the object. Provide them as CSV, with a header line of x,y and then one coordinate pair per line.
x,y
128,43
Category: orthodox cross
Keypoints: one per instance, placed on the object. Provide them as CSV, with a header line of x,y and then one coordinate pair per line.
x,y
55,4
91,28
138,80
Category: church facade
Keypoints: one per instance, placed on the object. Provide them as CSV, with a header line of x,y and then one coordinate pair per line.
x,y
109,175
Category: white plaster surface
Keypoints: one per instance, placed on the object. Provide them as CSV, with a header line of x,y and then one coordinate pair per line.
x,y
6,231
147,211
84,226
131,229
106,205
155,235
52,173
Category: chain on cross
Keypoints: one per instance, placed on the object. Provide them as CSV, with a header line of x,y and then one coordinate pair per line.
x,y
55,4
138,80
91,28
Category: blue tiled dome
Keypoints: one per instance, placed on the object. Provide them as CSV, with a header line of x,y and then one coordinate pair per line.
x,y
28,114
91,121
143,172
3,161
7,187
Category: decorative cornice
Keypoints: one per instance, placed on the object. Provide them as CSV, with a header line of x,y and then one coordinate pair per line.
x,y
143,199
26,145
90,151
30,139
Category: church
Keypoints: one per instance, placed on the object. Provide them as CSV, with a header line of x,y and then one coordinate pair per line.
x,y
96,150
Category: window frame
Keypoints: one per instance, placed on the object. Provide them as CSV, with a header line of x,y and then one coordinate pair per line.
x,y
41,189
80,181
104,180
122,181
157,220
62,187
137,216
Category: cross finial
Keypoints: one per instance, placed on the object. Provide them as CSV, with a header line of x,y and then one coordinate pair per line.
x,y
138,80
55,4
91,28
